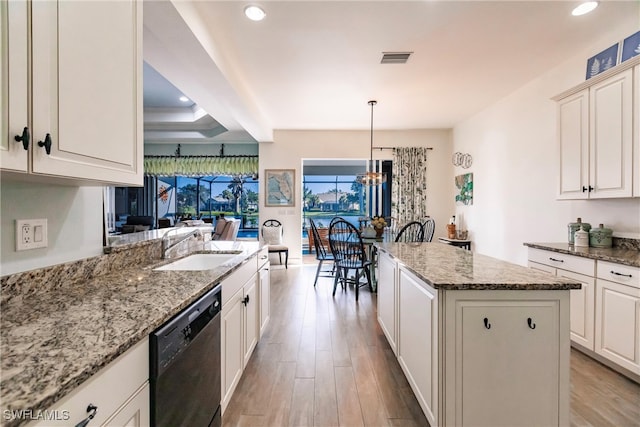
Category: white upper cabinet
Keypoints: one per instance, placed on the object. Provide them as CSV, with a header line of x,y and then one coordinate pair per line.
x,y
86,91
596,138
14,85
636,131
573,137
610,129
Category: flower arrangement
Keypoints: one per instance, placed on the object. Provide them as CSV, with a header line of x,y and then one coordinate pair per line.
x,y
378,222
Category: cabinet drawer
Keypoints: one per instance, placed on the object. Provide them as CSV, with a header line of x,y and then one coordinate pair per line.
x,y
573,263
619,273
237,279
263,257
542,267
108,389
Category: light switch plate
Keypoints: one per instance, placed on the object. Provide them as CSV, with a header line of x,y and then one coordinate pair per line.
x,y
31,234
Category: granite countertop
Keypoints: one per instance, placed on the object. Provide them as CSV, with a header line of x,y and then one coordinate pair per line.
x,y
56,339
448,267
618,255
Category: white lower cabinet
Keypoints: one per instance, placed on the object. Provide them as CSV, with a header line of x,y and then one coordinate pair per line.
x,y
582,309
508,358
120,391
387,296
618,319
582,300
250,320
239,325
605,312
133,413
264,280
418,339
232,345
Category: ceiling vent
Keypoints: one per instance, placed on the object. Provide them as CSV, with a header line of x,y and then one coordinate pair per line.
x,y
395,57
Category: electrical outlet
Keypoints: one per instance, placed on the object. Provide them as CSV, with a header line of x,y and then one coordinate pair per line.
x,y
31,234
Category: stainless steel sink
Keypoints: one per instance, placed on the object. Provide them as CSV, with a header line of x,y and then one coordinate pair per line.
x,y
197,262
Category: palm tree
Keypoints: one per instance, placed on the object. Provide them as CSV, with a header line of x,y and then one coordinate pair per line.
x,y
237,190
310,199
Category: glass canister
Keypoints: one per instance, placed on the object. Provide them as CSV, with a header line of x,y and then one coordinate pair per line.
x,y
600,237
575,226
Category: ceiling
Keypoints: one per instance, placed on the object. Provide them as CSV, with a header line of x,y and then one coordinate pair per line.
x,y
315,64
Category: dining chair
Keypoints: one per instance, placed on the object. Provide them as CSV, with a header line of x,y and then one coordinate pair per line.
x,y
321,253
411,232
272,235
429,228
349,254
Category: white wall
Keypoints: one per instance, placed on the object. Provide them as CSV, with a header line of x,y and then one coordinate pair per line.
x,y
74,219
290,147
515,163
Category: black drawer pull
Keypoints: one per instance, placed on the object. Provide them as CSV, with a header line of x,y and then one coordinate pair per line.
x,y
620,274
556,260
486,323
92,410
530,323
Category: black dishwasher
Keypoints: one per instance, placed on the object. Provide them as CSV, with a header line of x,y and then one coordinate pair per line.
x,y
185,366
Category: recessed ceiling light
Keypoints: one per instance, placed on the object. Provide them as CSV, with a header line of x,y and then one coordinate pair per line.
x,y
184,98
255,13
585,7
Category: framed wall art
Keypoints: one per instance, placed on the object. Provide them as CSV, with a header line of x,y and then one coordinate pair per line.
x,y
631,46
464,189
601,62
280,186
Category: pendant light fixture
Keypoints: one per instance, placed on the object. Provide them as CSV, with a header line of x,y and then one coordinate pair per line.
x,y
371,177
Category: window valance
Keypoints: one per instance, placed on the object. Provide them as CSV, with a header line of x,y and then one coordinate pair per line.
x,y
200,165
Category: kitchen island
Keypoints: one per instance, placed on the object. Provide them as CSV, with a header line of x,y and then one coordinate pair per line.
x,y
480,340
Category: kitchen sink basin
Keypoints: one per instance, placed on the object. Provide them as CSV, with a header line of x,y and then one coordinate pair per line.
x,y
197,262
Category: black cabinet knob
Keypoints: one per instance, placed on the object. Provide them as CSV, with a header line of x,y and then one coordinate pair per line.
x,y
24,138
46,144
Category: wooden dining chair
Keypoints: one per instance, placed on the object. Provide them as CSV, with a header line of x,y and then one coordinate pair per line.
x,y
411,232
429,227
272,235
349,255
321,253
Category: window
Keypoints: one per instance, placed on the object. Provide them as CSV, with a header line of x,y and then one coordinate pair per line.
x,y
330,189
204,197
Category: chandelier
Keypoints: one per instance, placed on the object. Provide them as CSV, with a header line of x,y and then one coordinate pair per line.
x,y
370,177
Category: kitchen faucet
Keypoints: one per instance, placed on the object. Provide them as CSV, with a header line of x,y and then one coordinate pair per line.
x,y
165,240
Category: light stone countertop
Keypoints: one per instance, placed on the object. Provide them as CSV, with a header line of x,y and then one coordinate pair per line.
x,y
630,257
54,340
446,267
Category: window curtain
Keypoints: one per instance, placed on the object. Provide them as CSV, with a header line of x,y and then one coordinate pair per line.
x,y
409,184
200,165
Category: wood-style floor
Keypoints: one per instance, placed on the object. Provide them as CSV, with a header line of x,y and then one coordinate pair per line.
x,y
324,361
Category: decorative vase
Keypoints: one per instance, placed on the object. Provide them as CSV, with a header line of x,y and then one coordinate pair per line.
x,y
369,232
379,232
